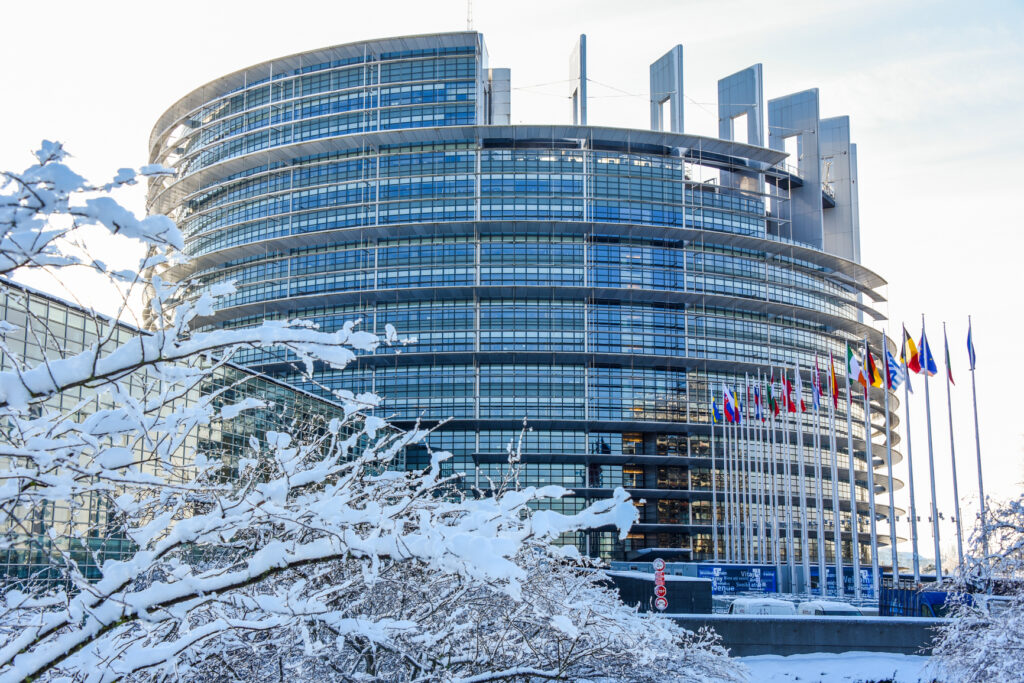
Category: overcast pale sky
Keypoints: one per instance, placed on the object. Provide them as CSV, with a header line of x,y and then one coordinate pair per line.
x,y
935,92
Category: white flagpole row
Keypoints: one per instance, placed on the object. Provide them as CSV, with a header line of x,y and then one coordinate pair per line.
x,y
852,473
737,539
762,533
870,457
888,460
776,541
788,474
837,537
805,556
819,493
748,481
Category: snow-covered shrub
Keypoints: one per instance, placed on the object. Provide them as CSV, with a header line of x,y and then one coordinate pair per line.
x,y
305,553
984,640
560,623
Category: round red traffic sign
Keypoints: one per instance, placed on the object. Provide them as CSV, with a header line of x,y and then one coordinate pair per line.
x,y
661,603
659,564
660,591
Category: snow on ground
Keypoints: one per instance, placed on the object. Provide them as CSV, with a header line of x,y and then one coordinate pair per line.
x,y
846,667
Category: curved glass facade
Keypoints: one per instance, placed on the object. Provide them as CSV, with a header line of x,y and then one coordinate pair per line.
x,y
597,283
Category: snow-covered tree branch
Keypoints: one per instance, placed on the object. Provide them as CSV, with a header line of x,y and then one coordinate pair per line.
x,y
984,640
302,551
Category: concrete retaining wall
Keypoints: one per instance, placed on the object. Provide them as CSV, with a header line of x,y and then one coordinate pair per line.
x,y
747,635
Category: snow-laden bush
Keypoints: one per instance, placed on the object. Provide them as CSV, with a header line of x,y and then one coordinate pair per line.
x,y
984,640
311,555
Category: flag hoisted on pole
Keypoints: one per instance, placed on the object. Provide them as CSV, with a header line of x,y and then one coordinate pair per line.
x,y
762,533
837,537
952,452
732,483
911,357
716,418
737,493
869,456
929,368
747,484
788,474
737,539
852,475
727,526
819,493
801,474
972,357
905,356
773,412
888,386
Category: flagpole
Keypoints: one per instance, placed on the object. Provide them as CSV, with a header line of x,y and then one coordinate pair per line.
x,y
927,351
755,480
774,500
762,533
852,475
977,443
910,468
870,457
714,485
888,459
805,556
741,533
952,454
837,538
776,544
737,538
788,473
733,510
725,486
755,462
749,547
819,493
737,475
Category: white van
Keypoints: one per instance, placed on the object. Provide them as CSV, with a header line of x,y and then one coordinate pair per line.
x,y
830,609
761,606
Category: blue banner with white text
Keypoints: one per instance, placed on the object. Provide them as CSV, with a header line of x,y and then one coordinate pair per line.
x,y
731,579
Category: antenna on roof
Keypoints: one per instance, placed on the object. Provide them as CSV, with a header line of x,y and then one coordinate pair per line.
x,y
469,15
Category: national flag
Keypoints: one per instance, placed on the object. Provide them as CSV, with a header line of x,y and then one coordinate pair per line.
x,y
949,368
925,356
728,405
816,383
970,345
895,374
834,385
716,415
773,405
909,350
909,354
787,394
737,406
854,369
874,376
799,389
758,414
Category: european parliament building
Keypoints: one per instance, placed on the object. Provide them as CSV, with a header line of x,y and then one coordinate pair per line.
x,y
598,283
